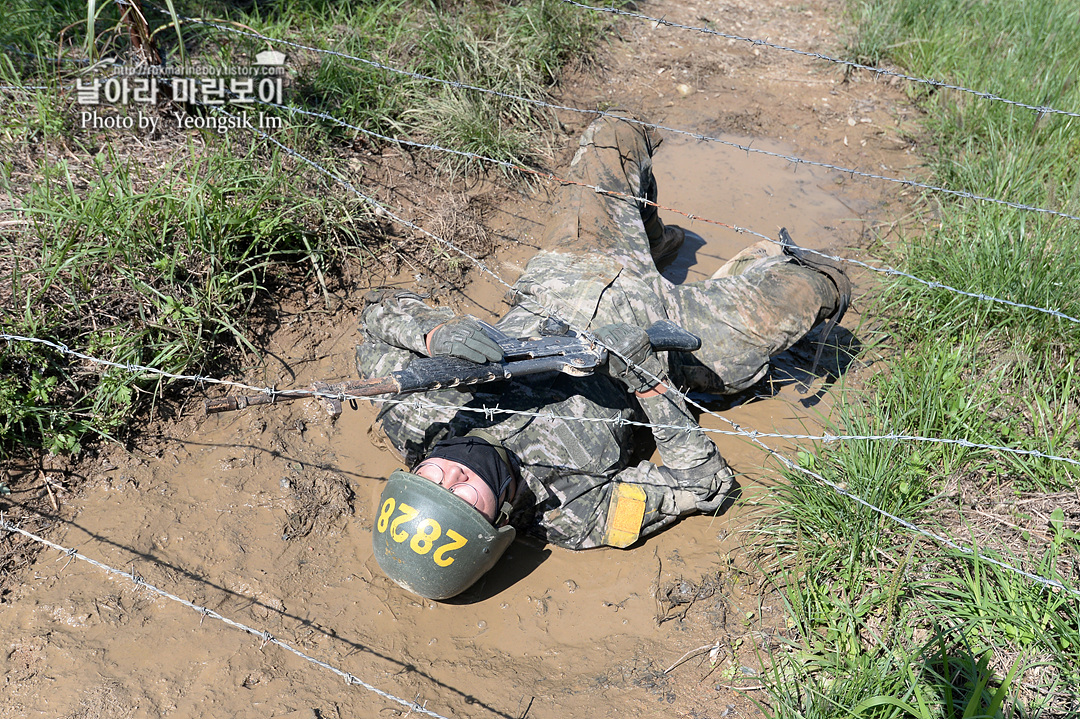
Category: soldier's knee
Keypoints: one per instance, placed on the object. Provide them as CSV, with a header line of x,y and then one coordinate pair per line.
x,y
623,130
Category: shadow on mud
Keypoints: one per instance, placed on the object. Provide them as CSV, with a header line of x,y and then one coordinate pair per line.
x,y
679,268
523,557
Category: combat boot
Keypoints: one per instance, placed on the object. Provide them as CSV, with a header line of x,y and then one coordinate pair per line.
x,y
826,267
748,257
836,275
664,241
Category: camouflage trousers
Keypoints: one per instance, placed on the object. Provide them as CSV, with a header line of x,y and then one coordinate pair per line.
x,y
761,303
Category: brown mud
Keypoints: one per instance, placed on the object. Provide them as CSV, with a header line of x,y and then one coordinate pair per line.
x,y
265,516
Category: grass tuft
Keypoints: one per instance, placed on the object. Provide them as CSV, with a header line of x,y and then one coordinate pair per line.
x,y
151,272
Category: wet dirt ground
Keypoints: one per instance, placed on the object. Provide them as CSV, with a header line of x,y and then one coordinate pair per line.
x,y
265,516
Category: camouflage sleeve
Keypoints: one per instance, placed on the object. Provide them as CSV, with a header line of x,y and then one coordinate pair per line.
x,y
582,522
693,474
679,439
402,319
699,474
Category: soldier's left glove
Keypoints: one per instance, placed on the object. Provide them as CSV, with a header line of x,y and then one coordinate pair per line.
x,y
463,337
645,370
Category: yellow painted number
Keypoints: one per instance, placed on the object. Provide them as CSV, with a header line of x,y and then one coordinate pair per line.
x,y
407,515
384,514
426,534
456,541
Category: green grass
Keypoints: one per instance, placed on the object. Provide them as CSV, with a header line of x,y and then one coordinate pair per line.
x,y
153,272
884,623
864,595
125,258
1025,52
518,49
31,33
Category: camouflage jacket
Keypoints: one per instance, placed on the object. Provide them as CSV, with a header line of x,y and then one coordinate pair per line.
x,y
568,466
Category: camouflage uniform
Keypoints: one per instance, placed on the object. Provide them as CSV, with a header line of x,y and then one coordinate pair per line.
x,y
597,269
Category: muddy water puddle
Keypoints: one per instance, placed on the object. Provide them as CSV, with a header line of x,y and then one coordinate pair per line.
x,y
721,183
265,516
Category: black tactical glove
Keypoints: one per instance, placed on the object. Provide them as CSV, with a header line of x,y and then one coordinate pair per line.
x,y
463,337
633,343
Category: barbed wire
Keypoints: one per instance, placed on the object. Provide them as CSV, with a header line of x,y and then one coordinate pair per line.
x,y
969,551
420,403
754,436
888,271
550,176
826,438
128,366
548,311
1041,109
748,434
375,203
915,184
20,51
264,636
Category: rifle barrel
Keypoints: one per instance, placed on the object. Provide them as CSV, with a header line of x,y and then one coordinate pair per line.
x,y
352,387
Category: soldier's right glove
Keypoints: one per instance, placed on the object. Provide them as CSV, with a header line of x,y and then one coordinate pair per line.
x,y
705,499
463,337
645,370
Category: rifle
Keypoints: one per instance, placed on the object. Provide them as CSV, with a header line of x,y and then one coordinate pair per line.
x,y
557,349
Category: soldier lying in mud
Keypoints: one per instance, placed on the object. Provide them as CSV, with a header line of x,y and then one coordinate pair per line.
x,y
477,478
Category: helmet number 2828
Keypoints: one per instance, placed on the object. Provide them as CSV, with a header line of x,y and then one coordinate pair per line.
x,y
427,532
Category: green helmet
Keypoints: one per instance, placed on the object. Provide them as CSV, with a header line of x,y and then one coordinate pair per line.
x,y
431,542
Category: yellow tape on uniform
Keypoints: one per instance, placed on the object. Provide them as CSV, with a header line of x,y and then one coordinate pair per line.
x,y
626,510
